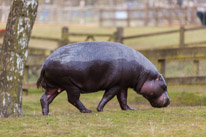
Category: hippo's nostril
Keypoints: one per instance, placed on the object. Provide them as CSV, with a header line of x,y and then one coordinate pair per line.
x,y
164,87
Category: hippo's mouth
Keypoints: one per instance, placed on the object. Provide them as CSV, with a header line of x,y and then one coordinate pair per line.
x,y
156,105
161,101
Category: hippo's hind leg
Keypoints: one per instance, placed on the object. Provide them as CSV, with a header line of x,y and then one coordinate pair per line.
x,y
122,98
108,95
47,98
73,94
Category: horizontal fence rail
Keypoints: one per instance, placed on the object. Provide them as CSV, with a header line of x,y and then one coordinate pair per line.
x,y
115,36
110,16
175,53
161,56
187,80
149,15
45,38
181,32
150,34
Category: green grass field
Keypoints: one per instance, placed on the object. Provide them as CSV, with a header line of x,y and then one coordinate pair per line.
x,y
184,117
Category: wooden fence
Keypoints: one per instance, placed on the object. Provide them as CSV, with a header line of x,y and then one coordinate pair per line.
x,y
116,36
181,32
33,66
160,56
101,15
149,16
66,34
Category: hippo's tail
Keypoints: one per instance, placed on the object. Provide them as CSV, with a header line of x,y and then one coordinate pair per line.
x,y
41,81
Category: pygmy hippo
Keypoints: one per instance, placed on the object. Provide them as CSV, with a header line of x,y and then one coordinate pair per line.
x,y
93,66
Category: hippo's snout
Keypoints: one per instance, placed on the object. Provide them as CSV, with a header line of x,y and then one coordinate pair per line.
x,y
162,101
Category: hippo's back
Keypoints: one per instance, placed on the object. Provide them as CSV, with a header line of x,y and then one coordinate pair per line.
x,y
90,51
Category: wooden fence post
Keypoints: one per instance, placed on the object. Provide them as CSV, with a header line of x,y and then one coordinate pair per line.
x,y
128,17
156,16
146,11
185,16
196,66
193,15
162,66
182,37
170,17
26,73
114,21
26,78
64,36
119,34
47,52
100,17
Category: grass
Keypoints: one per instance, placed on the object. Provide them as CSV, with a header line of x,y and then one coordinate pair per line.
x,y
143,122
184,117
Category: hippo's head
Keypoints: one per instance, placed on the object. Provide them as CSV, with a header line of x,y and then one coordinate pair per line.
x,y
155,91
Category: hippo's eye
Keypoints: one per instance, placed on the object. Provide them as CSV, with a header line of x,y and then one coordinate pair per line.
x,y
159,78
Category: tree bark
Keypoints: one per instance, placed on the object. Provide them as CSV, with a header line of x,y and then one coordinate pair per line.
x,y
14,54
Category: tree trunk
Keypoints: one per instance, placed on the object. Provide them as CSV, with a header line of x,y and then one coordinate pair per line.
x,y
14,54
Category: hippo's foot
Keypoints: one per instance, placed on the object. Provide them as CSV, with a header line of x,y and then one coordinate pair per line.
x,y
86,111
45,111
99,110
128,108
46,114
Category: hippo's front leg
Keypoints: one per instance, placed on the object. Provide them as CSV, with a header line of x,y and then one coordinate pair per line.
x,y
122,98
47,98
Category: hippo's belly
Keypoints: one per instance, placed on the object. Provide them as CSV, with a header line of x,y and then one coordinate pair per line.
x,y
91,76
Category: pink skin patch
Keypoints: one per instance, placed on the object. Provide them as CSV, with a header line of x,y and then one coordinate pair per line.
x,y
59,90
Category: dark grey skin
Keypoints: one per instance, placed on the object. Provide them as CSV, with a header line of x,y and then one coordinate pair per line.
x,y
93,66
